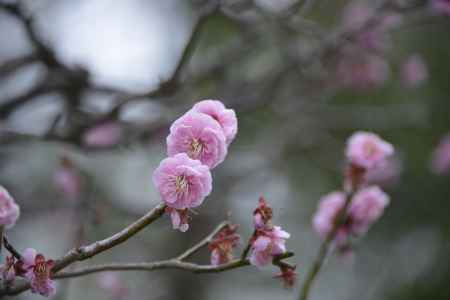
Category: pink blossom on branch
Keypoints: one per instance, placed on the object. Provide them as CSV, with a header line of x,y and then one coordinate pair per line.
x,y
38,272
367,150
182,182
366,206
200,137
262,216
287,275
9,210
226,117
267,244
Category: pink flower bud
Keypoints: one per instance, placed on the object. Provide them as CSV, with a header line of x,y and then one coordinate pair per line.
x,y
182,182
440,162
366,149
180,218
200,137
103,135
414,71
226,117
222,245
9,210
288,276
262,216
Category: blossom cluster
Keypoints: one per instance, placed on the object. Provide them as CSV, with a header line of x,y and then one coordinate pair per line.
x,y
355,208
265,245
32,266
362,64
197,143
268,241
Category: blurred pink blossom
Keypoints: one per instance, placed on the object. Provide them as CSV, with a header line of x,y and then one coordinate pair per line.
x,y
38,271
267,244
9,210
329,207
366,206
367,150
362,71
441,7
67,179
226,117
103,135
200,137
182,182
414,71
356,15
440,161
386,173
111,281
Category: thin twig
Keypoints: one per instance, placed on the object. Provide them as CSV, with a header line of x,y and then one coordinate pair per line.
x,y
189,252
323,251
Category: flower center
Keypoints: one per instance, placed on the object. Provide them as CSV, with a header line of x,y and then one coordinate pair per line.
x,y
370,149
181,184
196,148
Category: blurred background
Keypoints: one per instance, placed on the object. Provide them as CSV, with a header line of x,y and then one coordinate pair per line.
x,y
89,89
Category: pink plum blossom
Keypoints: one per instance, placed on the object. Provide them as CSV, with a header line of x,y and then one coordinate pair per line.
x,y
9,210
366,149
440,162
182,182
267,244
262,215
226,117
200,137
329,208
222,245
441,7
104,135
367,206
38,272
414,71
